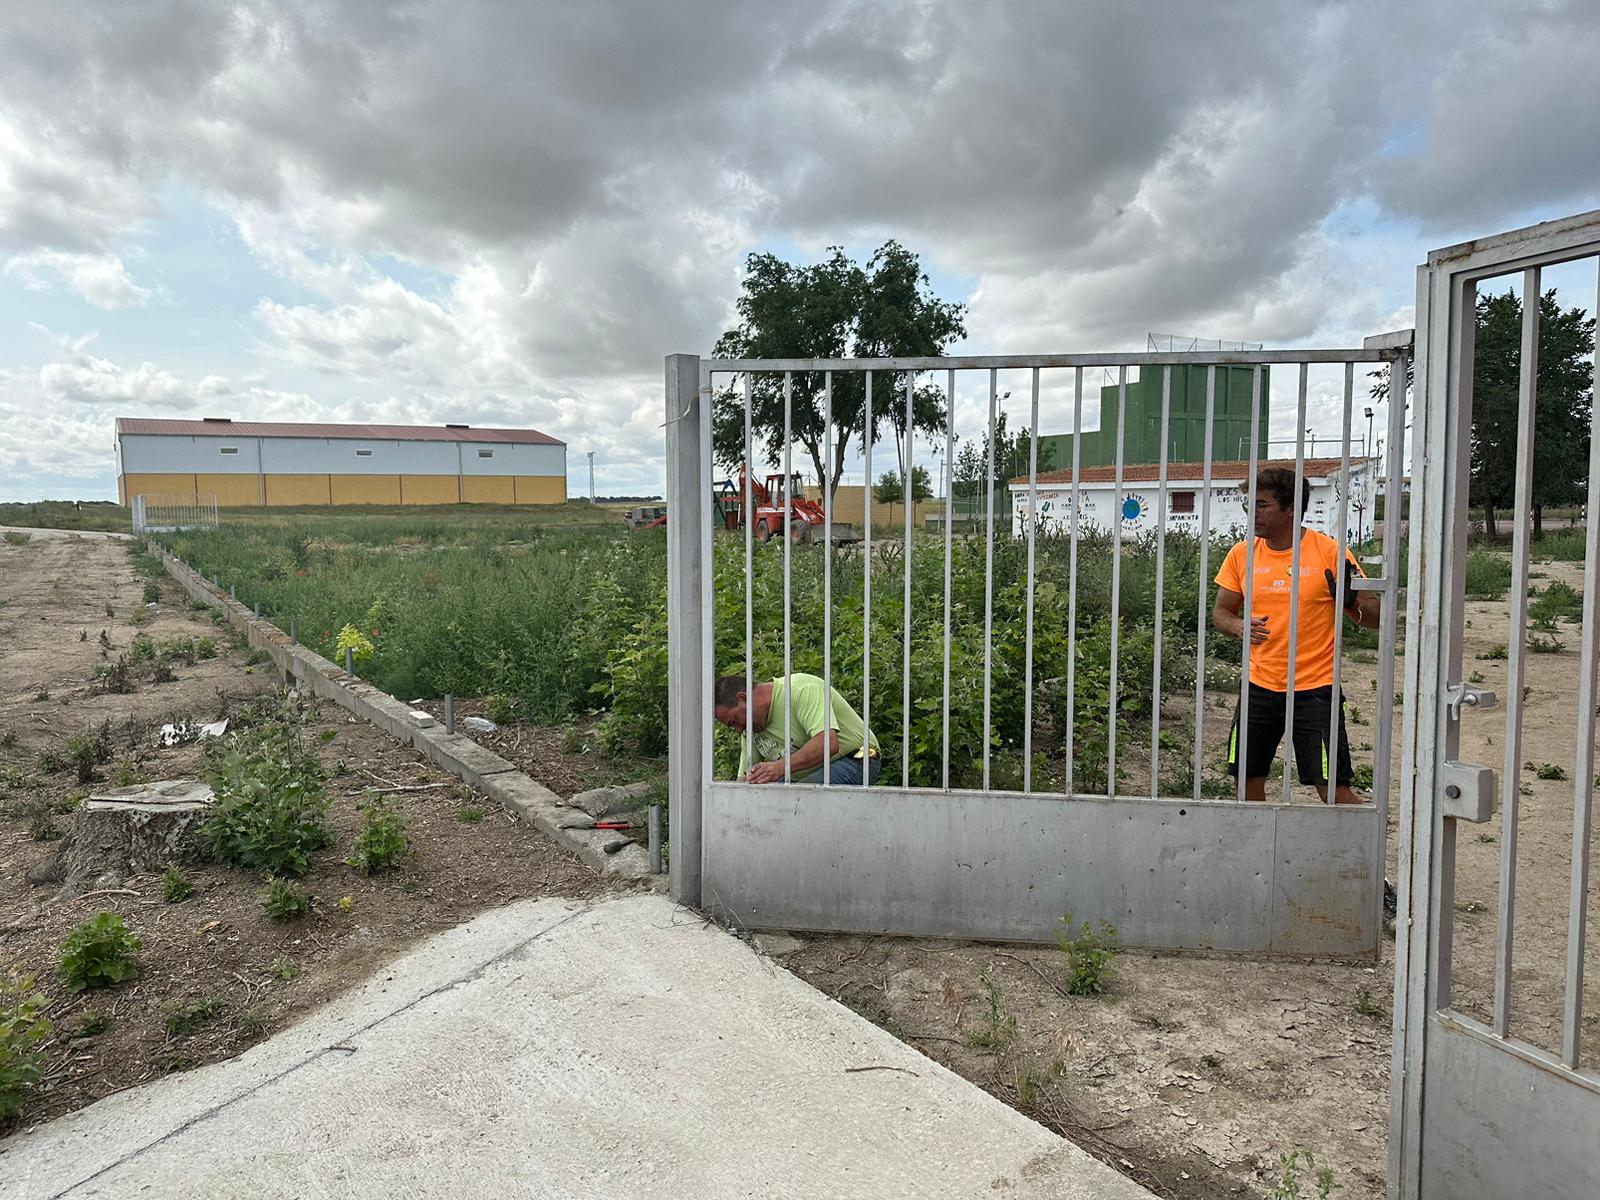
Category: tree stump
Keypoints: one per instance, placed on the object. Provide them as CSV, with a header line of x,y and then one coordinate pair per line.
x,y
128,831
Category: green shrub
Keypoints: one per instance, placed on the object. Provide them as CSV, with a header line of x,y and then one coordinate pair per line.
x,y
152,593
500,708
15,537
270,807
284,900
99,953
175,886
1566,546
23,1030
999,1026
84,753
382,840
1550,771
471,814
143,648
1495,653
1488,574
1089,956
284,969
1558,602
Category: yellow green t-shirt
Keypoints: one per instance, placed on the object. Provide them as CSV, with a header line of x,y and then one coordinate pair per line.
x,y
802,715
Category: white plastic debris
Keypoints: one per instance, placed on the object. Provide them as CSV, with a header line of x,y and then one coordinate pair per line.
x,y
215,728
422,719
480,724
183,732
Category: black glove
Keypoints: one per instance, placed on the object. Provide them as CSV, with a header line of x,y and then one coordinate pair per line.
x,y
1352,603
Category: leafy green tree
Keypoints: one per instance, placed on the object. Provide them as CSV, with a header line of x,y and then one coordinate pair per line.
x,y
832,309
1012,454
1561,416
890,488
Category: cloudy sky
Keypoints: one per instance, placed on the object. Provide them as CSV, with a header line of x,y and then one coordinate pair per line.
x,y
507,213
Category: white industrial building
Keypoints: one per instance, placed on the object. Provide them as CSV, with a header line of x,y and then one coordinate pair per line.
x,y
251,463
1140,509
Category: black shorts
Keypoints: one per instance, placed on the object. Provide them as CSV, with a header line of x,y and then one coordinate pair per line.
x,y
1313,710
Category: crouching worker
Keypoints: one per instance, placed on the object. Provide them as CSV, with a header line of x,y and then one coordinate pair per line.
x,y
797,731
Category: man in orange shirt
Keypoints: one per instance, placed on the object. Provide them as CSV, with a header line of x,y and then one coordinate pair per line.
x,y
1277,523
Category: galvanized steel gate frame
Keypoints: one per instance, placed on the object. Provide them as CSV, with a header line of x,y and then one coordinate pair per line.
x,y
1478,1112
1169,871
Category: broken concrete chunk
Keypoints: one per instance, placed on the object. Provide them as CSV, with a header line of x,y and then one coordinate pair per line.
x,y
776,944
423,720
479,724
605,801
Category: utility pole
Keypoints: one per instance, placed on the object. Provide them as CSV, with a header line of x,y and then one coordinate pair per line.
x,y
591,477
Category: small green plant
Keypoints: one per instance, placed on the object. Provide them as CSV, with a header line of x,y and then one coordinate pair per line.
x,y
382,841
175,886
1495,653
500,708
9,740
1361,777
254,1022
573,741
1089,956
284,899
41,822
1290,1182
1539,643
99,953
270,811
152,592
23,1030
469,815
1475,677
15,537
1549,771
140,616
284,969
92,1024
184,1019
1365,1006
1210,1062
1355,715
999,1026
83,754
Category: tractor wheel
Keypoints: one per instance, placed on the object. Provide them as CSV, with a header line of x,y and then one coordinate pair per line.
x,y
803,533
762,531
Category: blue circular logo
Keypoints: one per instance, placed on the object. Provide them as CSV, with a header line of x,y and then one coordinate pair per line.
x,y
1132,508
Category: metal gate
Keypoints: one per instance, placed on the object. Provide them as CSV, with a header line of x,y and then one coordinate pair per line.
x,y
1494,1092
945,844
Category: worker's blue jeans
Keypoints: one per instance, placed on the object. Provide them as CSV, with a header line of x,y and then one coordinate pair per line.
x,y
846,770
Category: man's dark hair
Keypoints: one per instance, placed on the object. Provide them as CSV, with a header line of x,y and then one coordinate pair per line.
x,y
1278,482
727,691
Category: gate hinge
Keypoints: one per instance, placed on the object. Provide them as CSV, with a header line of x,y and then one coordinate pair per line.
x,y
1459,695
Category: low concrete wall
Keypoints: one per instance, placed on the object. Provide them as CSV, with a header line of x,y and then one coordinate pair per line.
x,y
1169,874
464,758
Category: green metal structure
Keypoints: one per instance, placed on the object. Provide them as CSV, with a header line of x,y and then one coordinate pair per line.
x,y
1186,432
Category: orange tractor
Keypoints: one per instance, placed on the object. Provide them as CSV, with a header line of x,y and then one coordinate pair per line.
x,y
776,508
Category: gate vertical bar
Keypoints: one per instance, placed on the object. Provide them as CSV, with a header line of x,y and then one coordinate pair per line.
x,y
688,417
788,551
1583,783
988,578
1072,571
1241,738
1203,618
828,481
1294,582
747,503
1161,580
1517,648
1388,628
1033,525
1336,706
1116,581
866,594
949,494
907,495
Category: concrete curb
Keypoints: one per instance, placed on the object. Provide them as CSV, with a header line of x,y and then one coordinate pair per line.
x,y
477,765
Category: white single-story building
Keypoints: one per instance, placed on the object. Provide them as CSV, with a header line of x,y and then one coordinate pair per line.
x,y
1141,497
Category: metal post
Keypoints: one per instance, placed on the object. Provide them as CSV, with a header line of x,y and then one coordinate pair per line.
x,y
828,482
1161,584
449,713
1116,580
258,610
233,591
655,839
349,660
1203,618
949,515
988,580
688,668
1072,571
1294,591
294,632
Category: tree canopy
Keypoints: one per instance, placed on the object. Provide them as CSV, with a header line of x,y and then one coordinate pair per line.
x,y
832,309
1561,417
890,488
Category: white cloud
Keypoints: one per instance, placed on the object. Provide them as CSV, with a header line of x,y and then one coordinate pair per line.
x,y
101,279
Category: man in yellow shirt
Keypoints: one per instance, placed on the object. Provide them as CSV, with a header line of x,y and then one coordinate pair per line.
x,y
789,722
1277,523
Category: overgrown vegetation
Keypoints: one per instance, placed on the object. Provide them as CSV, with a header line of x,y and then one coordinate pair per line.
x,y
270,808
101,952
382,842
23,1031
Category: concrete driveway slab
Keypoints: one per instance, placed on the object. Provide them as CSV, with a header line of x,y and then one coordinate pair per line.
x,y
621,1049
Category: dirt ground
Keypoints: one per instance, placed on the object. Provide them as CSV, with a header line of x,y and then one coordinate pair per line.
x,y
218,944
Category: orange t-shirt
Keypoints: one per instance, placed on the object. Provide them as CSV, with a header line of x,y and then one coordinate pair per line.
x,y
1318,619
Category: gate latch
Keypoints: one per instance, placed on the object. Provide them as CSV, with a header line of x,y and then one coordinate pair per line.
x,y
1459,695
1469,791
